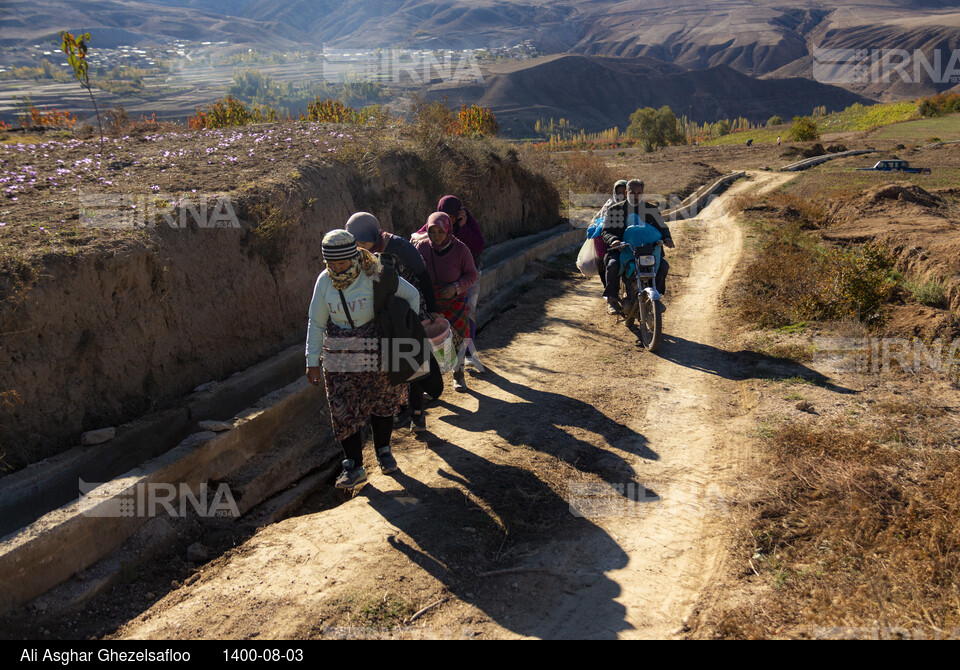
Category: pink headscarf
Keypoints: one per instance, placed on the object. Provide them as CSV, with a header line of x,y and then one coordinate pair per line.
x,y
442,220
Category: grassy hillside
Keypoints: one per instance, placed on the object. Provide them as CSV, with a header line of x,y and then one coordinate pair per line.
x,y
857,117
947,128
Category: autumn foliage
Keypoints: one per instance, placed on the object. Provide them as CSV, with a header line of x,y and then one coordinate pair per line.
x,y
51,117
229,111
471,120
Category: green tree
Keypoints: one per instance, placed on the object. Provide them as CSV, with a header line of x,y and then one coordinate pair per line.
x,y
722,128
774,121
804,129
655,128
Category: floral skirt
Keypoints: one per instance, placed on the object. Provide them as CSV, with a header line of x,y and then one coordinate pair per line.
x,y
356,387
457,312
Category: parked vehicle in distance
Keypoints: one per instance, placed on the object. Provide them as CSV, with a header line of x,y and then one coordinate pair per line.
x,y
895,166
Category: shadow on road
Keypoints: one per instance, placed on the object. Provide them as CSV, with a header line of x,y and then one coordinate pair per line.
x,y
508,544
539,423
740,365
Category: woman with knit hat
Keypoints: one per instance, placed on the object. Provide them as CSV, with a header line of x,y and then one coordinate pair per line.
x,y
453,272
342,329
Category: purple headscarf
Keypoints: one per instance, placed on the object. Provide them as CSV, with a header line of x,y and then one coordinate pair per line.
x,y
451,205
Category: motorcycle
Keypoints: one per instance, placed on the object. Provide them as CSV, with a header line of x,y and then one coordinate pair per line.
x,y
639,297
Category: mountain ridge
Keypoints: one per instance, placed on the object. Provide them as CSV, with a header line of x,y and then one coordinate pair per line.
x,y
601,92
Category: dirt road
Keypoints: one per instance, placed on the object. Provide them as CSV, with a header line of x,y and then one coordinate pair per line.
x,y
576,491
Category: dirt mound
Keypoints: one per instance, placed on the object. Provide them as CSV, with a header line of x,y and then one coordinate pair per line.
x,y
922,229
899,203
926,323
810,151
704,174
902,191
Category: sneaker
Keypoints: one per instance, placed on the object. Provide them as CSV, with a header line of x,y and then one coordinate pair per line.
x,y
419,422
352,478
387,462
613,306
459,383
402,418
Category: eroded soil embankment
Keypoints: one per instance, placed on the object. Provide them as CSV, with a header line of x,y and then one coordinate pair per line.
x,y
99,336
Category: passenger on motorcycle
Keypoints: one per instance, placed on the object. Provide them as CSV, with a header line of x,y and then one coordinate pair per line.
x,y
614,224
619,195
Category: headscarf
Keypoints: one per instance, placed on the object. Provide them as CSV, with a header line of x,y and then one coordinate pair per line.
x,y
442,220
451,205
340,245
364,227
620,182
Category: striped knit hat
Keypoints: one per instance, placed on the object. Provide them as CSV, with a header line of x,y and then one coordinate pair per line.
x,y
339,245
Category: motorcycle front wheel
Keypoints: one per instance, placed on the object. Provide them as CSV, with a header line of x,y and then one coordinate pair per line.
x,y
651,323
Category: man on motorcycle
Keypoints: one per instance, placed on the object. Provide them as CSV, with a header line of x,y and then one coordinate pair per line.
x,y
613,227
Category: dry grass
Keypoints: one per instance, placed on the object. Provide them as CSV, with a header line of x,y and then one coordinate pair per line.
x,y
851,527
587,172
857,528
775,283
577,172
793,277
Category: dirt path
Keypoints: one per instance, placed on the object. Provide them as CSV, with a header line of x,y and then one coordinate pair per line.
x,y
483,522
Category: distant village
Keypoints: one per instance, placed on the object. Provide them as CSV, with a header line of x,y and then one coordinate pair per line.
x,y
223,53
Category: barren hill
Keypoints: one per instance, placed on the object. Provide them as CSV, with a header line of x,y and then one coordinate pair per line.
x,y
598,93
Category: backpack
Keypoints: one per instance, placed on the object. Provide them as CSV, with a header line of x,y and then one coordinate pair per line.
x,y
398,322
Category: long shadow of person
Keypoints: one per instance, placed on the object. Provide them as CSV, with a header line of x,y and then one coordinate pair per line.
x,y
501,539
545,422
739,365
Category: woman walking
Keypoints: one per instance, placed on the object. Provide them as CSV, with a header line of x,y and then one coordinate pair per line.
x,y
409,265
466,229
342,329
453,272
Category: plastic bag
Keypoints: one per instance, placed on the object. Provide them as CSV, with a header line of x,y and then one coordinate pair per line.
x,y
587,259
